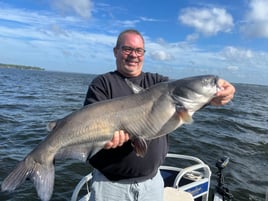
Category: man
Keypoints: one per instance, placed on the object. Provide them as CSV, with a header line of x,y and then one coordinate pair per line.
x,y
119,174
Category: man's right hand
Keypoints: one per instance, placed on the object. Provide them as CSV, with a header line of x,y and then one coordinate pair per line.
x,y
119,138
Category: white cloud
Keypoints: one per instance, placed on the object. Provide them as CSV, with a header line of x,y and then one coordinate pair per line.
x,y
192,37
232,68
160,55
258,10
246,63
51,41
80,7
208,21
125,23
146,19
233,53
256,20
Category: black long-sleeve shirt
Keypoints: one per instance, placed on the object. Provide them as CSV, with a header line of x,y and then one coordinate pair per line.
x,y
122,162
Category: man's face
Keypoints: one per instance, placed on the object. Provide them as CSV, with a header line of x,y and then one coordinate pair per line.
x,y
130,55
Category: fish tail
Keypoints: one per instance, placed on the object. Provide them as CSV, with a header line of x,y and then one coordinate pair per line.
x,y
41,175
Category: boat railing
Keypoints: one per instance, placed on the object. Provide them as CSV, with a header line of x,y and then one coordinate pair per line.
x,y
79,186
194,179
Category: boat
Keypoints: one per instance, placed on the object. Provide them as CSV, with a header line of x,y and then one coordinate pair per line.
x,y
184,176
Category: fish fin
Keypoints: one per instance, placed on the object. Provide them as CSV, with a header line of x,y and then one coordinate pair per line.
x,y
80,151
51,125
135,88
140,146
42,177
185,116
16,177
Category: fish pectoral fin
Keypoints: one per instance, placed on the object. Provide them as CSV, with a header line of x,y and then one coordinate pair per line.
x,y
51,125
135,88
79,151
140,146
184,115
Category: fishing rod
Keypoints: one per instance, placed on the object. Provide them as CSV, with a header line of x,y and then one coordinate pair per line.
x,y
222,192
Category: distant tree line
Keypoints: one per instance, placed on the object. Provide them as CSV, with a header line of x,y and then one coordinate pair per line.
x,y
20,67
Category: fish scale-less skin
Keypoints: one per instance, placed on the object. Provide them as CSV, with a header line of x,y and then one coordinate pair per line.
x,y
146,115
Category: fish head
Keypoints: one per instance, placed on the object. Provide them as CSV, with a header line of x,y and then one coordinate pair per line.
x,y
193,93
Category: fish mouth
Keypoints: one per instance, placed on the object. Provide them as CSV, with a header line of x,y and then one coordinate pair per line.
x,y
209,84
213,81
218,88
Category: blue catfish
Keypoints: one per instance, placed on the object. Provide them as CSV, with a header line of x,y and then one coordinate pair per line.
x,y
146,115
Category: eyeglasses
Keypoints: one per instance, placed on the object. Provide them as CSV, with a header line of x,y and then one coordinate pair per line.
x,y
128,50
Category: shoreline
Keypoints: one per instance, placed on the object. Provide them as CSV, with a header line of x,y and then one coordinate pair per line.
x,y
22,67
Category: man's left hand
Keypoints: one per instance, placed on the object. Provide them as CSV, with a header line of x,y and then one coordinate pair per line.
x,y
225,94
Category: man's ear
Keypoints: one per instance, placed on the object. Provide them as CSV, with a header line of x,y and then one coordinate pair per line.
x,y
115,51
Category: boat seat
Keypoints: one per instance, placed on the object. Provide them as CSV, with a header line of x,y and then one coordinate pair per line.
x,y
173,194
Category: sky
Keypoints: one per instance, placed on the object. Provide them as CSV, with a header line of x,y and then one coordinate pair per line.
x,y
182,38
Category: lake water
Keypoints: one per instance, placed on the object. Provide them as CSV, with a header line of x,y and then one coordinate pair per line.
x,y
29,99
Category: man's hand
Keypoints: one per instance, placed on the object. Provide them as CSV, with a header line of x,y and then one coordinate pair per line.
x,y
120,137
225,94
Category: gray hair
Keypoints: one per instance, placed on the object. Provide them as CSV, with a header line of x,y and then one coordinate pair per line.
x,y
120,36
